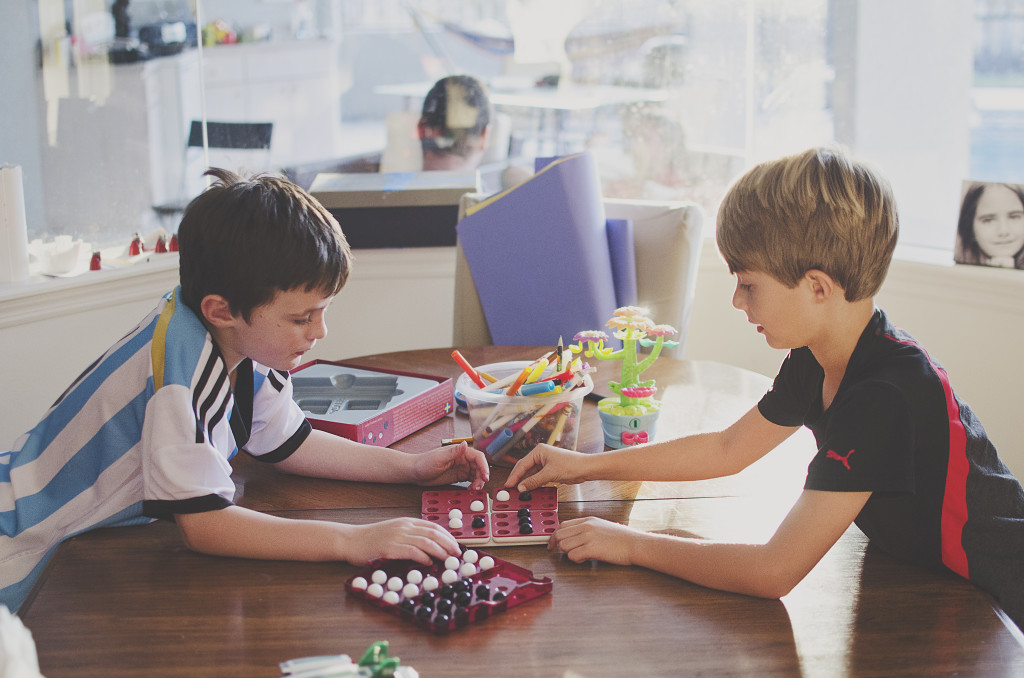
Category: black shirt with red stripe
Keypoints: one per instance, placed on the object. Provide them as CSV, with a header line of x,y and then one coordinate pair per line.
x,y
940,494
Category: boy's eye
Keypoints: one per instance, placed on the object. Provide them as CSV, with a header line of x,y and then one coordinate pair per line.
x,y
304,321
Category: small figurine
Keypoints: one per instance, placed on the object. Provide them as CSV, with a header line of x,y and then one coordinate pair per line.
x,y
94,263
136,247
161,245
630,418
173,246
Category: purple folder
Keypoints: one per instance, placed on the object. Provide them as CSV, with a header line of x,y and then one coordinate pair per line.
x,y
623,256
539,255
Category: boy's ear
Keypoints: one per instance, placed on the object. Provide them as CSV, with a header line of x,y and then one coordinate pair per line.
x,y
822,285
217,311
425,131
485,136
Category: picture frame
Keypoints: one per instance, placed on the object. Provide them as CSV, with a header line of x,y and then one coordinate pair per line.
x,y
990,228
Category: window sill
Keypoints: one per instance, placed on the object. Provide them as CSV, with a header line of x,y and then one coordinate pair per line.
x,y
41,297
920,272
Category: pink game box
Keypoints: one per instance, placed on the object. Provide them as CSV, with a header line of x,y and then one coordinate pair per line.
x,y
372,406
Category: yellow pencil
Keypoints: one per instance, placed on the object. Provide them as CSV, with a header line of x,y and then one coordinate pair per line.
x,y
556,432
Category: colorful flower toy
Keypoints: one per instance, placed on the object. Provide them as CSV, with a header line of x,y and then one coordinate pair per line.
x,y
629,418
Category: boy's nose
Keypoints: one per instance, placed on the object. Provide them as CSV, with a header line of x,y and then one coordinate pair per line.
x,y
319,328
738,302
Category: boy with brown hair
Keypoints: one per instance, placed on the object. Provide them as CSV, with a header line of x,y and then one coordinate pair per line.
x,y
454,124
810,238
148,430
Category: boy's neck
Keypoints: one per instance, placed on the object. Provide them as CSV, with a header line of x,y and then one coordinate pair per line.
x,y
838,342
231,359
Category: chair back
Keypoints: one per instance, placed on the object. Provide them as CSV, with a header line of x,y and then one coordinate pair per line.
x,y
242,147
667,238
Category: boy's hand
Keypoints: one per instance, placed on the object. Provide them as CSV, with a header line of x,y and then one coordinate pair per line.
x,y
401,538
585,538
451,464
546,464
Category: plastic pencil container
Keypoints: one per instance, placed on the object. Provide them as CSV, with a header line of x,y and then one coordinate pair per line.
x,y
507,427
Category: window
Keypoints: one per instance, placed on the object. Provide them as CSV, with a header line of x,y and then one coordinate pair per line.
x,y
683,95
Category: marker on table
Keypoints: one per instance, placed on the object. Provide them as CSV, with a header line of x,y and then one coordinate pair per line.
x,y
456,441
513,440
468,369
539,388
520,380
502,384
537,371
556,433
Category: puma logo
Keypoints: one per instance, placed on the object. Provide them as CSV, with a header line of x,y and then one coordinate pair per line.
x,y
845,459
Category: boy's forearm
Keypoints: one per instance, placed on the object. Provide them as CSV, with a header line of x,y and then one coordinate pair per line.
x,y
238,532
740,568
323,455
770,570
696,457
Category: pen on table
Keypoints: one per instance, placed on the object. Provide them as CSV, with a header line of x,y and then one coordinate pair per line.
x,y
508,427
493,424
502,384
468,369
537,371
525,428
456,441
520,380
546,387
509,416
556,433
561,377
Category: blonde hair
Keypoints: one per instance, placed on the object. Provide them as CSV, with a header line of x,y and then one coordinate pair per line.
x,y
819,209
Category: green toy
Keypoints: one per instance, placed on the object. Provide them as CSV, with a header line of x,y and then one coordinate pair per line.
x,y
634,403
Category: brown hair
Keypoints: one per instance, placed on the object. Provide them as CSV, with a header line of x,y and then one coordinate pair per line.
x,y
248,239
818,209
458,108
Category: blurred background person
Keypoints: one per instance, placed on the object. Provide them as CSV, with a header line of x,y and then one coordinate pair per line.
x,y
454,124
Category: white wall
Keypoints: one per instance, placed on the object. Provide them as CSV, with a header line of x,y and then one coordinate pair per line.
x,y
970,318
918,134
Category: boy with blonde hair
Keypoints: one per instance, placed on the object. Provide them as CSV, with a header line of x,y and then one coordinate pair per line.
x,y
810,238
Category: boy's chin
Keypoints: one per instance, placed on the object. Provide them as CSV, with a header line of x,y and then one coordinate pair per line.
x,y
288,364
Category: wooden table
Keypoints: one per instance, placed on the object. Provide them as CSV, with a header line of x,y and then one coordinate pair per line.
x,y
135,602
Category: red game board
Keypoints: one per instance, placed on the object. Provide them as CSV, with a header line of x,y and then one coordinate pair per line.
x,y
528,518
446,596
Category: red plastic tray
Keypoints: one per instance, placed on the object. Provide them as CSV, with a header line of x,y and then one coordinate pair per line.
x,y
501,519
470,599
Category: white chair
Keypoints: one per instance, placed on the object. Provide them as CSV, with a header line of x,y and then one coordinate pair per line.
x,y
403,152
667,240
242,147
